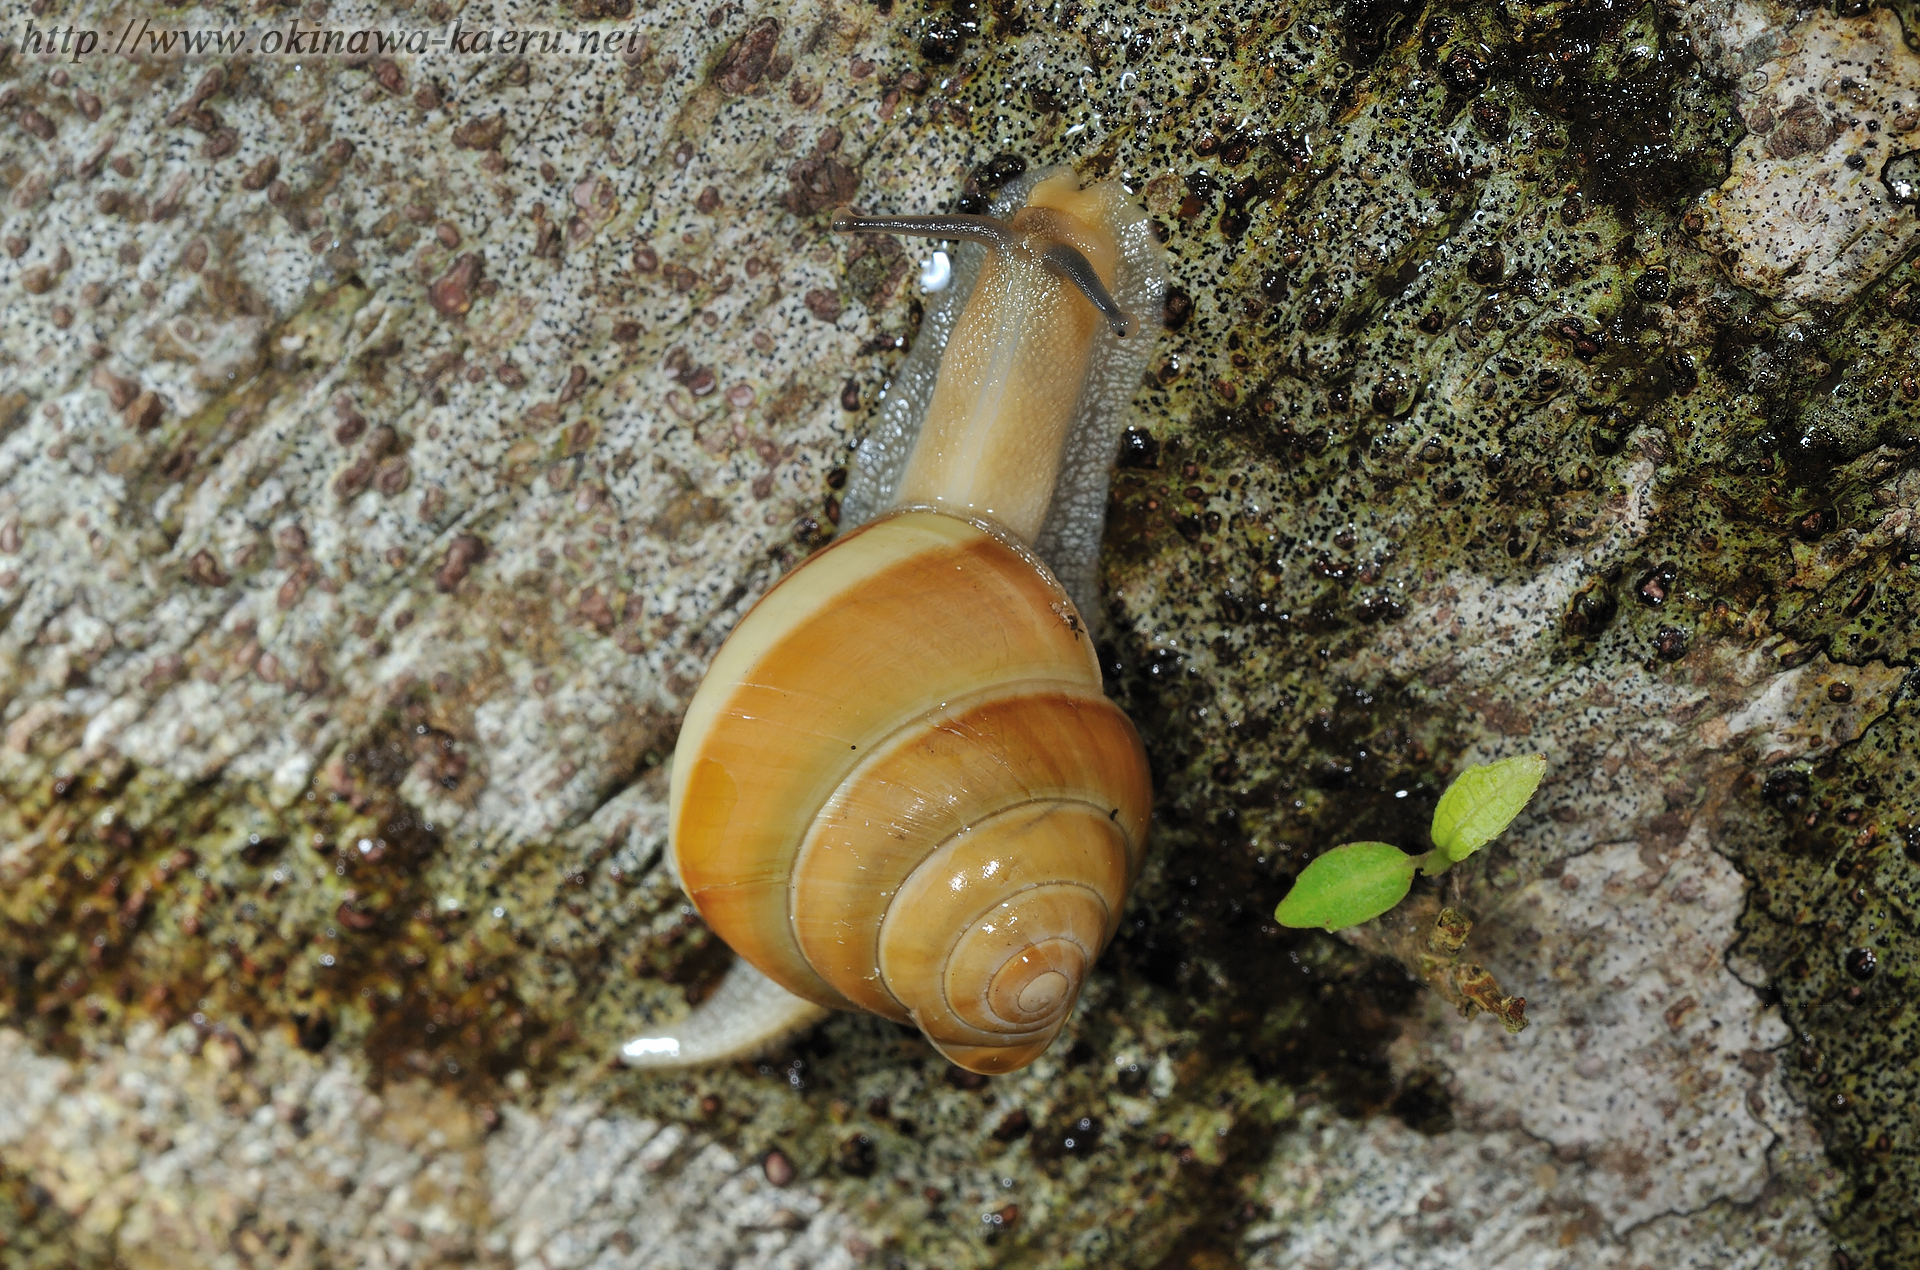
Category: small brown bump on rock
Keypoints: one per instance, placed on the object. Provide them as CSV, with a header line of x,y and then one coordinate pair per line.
x,y
120,391
87,104
449,236
645,258
10,538
353,479
509,374
1840,691
62,316
381,442
340,151
778,1168
16,246
37,280
824,305
278,193
224,141
261,174
1800,129
960,1078
626,332
390,77
145,410
296,584
576,384
480,134
820,180
209,86
452,293
1015,1124
1670,643
393,475
195,257
1175,309
206,570
596,611
747,58
708,200
463,553
352,424
37,124
123,165
428,98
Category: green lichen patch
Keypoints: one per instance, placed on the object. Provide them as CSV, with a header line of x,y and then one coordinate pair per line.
x,y
1834,848
336,917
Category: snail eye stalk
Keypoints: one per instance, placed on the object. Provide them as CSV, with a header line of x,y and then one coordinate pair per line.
x,y
1062,260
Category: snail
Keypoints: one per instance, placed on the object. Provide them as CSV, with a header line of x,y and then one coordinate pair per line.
x,y
900,787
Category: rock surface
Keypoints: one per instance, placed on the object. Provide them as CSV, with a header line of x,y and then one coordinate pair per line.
x,y
386,442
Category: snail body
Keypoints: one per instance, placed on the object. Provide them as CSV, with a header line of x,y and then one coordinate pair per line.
x,y
900,787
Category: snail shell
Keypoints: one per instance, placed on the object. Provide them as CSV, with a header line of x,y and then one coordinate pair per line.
x,y
900,788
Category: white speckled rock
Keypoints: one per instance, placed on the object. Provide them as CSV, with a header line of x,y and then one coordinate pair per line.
x,y
1806,215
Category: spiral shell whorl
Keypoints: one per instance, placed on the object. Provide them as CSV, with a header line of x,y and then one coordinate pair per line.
x,y
988,942
910,796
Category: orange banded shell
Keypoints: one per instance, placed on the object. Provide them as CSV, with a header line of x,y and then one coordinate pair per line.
x,y
901,789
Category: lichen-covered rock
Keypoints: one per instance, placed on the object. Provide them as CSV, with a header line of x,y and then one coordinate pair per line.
x,y
386,442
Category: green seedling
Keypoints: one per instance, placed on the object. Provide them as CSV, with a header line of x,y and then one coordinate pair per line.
x,y
1359,881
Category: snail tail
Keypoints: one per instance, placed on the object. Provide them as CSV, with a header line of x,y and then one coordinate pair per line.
x,y
746,1015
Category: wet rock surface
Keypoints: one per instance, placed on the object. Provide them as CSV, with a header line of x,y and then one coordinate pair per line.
x,y
385,446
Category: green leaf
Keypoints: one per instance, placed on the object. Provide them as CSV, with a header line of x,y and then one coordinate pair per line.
x,y
1348,885
1483,801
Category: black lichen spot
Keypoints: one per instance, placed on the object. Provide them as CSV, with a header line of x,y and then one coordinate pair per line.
x,y
1175,309
1786,788
1423,1103
945,36
1138,449
1487,266
977,191
1815,524
1901,176
857,1156
1657,584
314,1031
1369,26
1592,611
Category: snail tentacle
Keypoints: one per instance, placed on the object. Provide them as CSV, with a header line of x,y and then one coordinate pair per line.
x,y
745,1016
979,229
1069,265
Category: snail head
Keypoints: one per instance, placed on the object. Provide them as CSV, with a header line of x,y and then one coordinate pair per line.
x,y
1043,234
